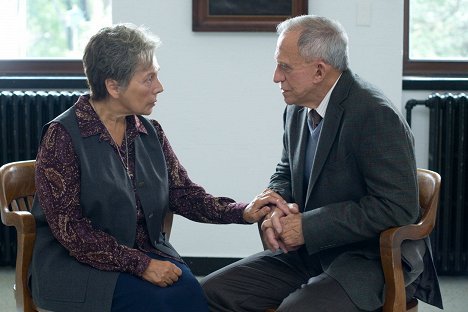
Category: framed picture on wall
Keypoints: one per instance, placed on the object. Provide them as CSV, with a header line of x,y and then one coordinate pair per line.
x,y
243,15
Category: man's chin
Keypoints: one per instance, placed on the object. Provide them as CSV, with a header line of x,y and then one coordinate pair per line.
x,y
288,101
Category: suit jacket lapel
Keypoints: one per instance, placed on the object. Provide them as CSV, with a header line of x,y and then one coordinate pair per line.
x,y
299,154
331,124
330,127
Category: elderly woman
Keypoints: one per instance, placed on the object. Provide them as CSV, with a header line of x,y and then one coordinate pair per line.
x,y
105,178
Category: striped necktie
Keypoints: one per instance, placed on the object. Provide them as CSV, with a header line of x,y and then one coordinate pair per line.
x,y
314,118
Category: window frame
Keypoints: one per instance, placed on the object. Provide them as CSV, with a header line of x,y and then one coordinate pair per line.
x,y
74,67
427,68
35,67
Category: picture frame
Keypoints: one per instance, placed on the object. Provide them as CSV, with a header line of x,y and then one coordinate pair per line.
x,y
244,15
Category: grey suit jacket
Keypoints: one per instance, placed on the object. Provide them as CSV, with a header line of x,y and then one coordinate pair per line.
x,y
363,181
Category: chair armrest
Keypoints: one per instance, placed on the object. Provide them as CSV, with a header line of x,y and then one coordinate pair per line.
x,y
23,221
390,253
393,237
25,226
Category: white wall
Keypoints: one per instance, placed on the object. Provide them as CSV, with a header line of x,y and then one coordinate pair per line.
x,y
419,125
222,112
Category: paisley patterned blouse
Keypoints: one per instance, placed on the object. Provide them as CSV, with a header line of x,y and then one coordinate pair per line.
x,y
58,190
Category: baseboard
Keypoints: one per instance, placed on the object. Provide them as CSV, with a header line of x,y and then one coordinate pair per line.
x,y
202,266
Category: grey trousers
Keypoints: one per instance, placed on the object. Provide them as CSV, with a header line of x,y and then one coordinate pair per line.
x,y
269,280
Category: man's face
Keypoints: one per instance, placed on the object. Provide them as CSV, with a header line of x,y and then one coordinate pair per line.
x,y
294,75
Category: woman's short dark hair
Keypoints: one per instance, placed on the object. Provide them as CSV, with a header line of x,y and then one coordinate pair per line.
x,y
115,53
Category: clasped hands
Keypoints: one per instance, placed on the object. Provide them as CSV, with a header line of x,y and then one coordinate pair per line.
x,y
281,227
282,223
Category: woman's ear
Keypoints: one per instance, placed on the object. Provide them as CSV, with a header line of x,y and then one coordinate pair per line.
x,y
113,88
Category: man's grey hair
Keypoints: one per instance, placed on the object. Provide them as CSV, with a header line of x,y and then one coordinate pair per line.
x,y
116,53
320,38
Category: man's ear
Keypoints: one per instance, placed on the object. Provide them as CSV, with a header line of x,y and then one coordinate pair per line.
x,y
321,70
113,88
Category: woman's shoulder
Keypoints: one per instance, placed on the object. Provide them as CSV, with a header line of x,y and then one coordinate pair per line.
x,y
159,130
55,128
142,123
156,125
154,122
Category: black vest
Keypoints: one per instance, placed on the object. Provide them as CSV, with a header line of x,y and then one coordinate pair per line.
x,y
107,198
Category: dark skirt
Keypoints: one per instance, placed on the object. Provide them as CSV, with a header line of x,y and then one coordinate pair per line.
x,y
135,294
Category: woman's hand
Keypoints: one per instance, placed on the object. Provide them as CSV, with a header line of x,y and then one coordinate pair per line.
x,y
162,273
261,206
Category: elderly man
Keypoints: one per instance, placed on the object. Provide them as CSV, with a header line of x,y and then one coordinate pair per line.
x,y
347,171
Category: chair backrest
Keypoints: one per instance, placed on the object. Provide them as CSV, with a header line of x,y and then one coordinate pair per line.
x,y
17,186
17,189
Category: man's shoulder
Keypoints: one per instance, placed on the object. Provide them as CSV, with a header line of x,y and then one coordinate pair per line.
x,y
365,89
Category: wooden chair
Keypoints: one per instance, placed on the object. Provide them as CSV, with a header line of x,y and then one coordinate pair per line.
x,y
391,240
17,188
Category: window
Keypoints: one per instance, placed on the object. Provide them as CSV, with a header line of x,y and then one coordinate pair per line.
x,y
436,38
48,36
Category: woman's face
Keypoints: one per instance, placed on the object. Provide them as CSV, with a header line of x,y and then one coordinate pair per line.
x,y
140,96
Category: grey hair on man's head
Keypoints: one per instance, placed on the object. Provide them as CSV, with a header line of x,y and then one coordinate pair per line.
x,y
116,52
320,38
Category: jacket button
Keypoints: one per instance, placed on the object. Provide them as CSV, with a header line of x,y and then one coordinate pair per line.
x,y
141,184
150,215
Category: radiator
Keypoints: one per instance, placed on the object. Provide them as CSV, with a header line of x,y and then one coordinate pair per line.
x,y
22,116
448,155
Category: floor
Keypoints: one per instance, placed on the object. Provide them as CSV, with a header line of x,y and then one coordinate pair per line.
x,y
454,292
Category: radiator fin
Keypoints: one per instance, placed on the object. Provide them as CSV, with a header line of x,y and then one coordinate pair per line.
x,y
448,155
22,116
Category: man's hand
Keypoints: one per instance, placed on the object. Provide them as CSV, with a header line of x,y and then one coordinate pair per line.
x,y
291,235
282,209
273,227
260,206
162,273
